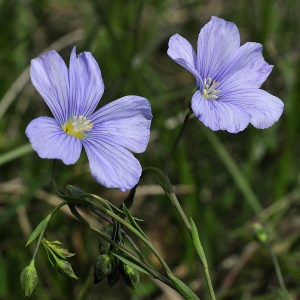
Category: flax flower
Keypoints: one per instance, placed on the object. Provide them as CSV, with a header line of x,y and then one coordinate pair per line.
x,y
106,134
228,78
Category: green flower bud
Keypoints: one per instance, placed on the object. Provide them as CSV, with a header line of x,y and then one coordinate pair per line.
x,y
104,265
29,279
65,268
131,276
259,233
113,278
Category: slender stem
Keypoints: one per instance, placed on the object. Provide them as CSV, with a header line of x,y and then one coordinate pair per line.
x,y
58,192
172,195
56,208
178,207
278,270
38,244
166,185
209,283
102,201
188,114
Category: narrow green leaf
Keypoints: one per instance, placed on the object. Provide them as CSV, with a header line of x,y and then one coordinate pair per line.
x,y
41,226
15,153
127,260
132,221
183,289
197,242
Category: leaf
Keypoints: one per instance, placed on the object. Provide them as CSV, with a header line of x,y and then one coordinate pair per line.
x,y
39,229
127,260
197,243
183,289
132,221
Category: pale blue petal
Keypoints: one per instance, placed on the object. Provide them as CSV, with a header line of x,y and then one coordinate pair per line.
x,y
218,115
50,141
86,83
112,166
246,69
49,75
181,51
124,122
263,108
217,42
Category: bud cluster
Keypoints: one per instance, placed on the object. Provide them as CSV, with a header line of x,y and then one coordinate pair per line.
x,y
108,266
60,256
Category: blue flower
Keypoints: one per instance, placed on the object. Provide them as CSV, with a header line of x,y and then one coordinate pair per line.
x,y
106,134
228,78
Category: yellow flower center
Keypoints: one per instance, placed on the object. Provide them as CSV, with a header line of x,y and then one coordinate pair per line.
x,y
209,92
77,126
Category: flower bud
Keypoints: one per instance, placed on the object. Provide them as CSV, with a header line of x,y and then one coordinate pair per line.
x,y
113,278
104,265
131,276
259,233
29,279
65,268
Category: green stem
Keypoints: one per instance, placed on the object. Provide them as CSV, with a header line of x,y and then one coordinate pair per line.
x,y
178,207
58,192
56,208
278,270
188,114
209,283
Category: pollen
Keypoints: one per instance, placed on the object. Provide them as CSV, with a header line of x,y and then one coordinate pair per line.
x,y
209,92
77,126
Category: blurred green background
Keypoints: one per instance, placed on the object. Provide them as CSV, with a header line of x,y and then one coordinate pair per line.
x,y
224,181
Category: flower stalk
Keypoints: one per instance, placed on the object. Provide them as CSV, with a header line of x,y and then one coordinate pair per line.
x,y
180,211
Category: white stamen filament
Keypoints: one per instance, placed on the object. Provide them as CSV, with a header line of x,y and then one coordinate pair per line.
x,y
209,92
81,124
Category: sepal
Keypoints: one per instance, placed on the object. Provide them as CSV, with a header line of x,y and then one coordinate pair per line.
x,y
104,265
59,255
65,268
130,275
60,252
113,278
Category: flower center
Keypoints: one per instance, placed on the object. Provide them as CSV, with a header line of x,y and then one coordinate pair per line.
x,y
77,126
209,92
